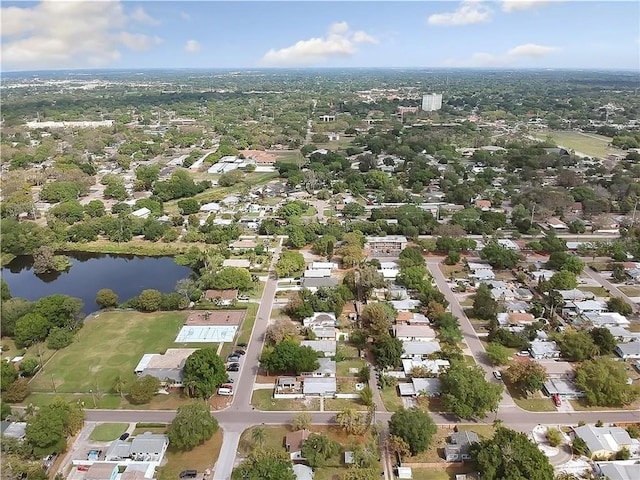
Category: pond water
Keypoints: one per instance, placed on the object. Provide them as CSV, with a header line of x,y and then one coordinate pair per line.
x,y
126,275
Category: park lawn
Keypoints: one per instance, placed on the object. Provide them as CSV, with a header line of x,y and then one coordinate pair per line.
x,y
293,156
263,400
597,291
108,401
108,345
390,398
201,458
342,368
630,291
105,432
589,144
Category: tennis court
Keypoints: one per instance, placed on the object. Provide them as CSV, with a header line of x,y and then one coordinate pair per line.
x,y
207,334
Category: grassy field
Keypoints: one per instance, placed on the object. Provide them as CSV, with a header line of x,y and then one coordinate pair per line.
x,y
136,246
342,368
338,404
391,399
105,432
435,453
587,143
537,403
292,156
247,324
201,458
108,346
597,291
630,291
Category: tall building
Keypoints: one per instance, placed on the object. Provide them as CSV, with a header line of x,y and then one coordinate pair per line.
x,y
431,102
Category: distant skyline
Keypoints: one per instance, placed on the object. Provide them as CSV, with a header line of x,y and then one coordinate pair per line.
x,y
59,34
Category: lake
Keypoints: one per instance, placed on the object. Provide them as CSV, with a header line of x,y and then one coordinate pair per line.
x,y
126,275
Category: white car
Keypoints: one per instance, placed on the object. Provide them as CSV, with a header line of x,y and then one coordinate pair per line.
x,y
497,374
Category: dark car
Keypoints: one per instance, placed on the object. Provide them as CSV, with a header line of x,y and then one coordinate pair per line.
x,y
242,344
233,368
240,352
124,436
188,474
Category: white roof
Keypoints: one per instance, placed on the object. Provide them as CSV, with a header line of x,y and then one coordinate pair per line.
x,y
388,238
210,207
405,472
319,385
317,273
420,348
144,362
302,472
141,212
406,389
323,266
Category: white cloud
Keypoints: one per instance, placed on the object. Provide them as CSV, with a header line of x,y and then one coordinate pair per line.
x,y
139,15
531,50
469,12
69,34
192,46
363,37
514,55
519,5
339,42
185,16
138,41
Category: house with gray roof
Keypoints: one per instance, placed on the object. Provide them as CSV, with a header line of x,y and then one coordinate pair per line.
x,y
603,442
148,447
326,347
314,283
459,444
327,368
627,470
629,350
324,386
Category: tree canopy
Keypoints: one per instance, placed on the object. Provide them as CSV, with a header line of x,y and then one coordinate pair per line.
x,y
289,357
265,464
203,371
466,393
605,383
415,427
192,425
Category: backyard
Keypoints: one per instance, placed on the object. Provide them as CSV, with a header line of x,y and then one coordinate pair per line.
x,y
201,458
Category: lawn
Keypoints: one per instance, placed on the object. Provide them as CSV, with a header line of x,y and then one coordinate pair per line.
x,y
105,432
587,143
263,400
109,401
597,291
294,156
247,324
536,403
435,453
339,404
448,473
342,368
580,405
630,291
391,399
108,346
455,271
201,458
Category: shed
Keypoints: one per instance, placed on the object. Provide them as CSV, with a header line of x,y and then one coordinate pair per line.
x,y
405,473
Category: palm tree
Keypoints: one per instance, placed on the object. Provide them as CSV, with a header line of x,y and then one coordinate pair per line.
x,y
366,396
258,435
119,384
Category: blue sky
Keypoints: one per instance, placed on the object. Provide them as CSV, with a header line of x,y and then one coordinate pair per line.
x,y
58,34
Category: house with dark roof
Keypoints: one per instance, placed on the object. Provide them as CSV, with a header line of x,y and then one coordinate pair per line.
x,y
459,444
293,443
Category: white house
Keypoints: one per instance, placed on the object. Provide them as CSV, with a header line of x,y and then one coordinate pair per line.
x,y
417,333
542,349
326,347
143,212
629,350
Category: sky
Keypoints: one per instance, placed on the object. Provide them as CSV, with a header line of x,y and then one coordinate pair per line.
x,y
69,34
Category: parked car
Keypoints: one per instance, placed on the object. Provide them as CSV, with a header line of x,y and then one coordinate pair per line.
x,y
188,474
497,374
233,358
242,344
523,353
233,368
124,436
243,297
240,352
557,400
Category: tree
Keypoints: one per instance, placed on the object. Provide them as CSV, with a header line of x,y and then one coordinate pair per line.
x,y
29,366
410,257
618,273
265,464
554,437
152,229
5,410
603,339
563,280
106,298
378,317
30,329
290,357
45,433
605,383
353,210
617,304
95,209
366,396
452,258
387,351
280,330
415,427
8,374
318,448
59,338
301,421
528,377
60,310
498,354
484,306
358,338
466,393
149,300
512,455
119,385
577,346
11,311
351,421
44,260
499,256
258,436
143,389
188,206
205,370
4,288
231,278
192,426
290,264
398,446
17,391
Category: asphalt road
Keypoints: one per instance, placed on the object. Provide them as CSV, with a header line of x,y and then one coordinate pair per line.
x,y
610,287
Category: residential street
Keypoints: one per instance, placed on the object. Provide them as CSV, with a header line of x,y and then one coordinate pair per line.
x,y
611,287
